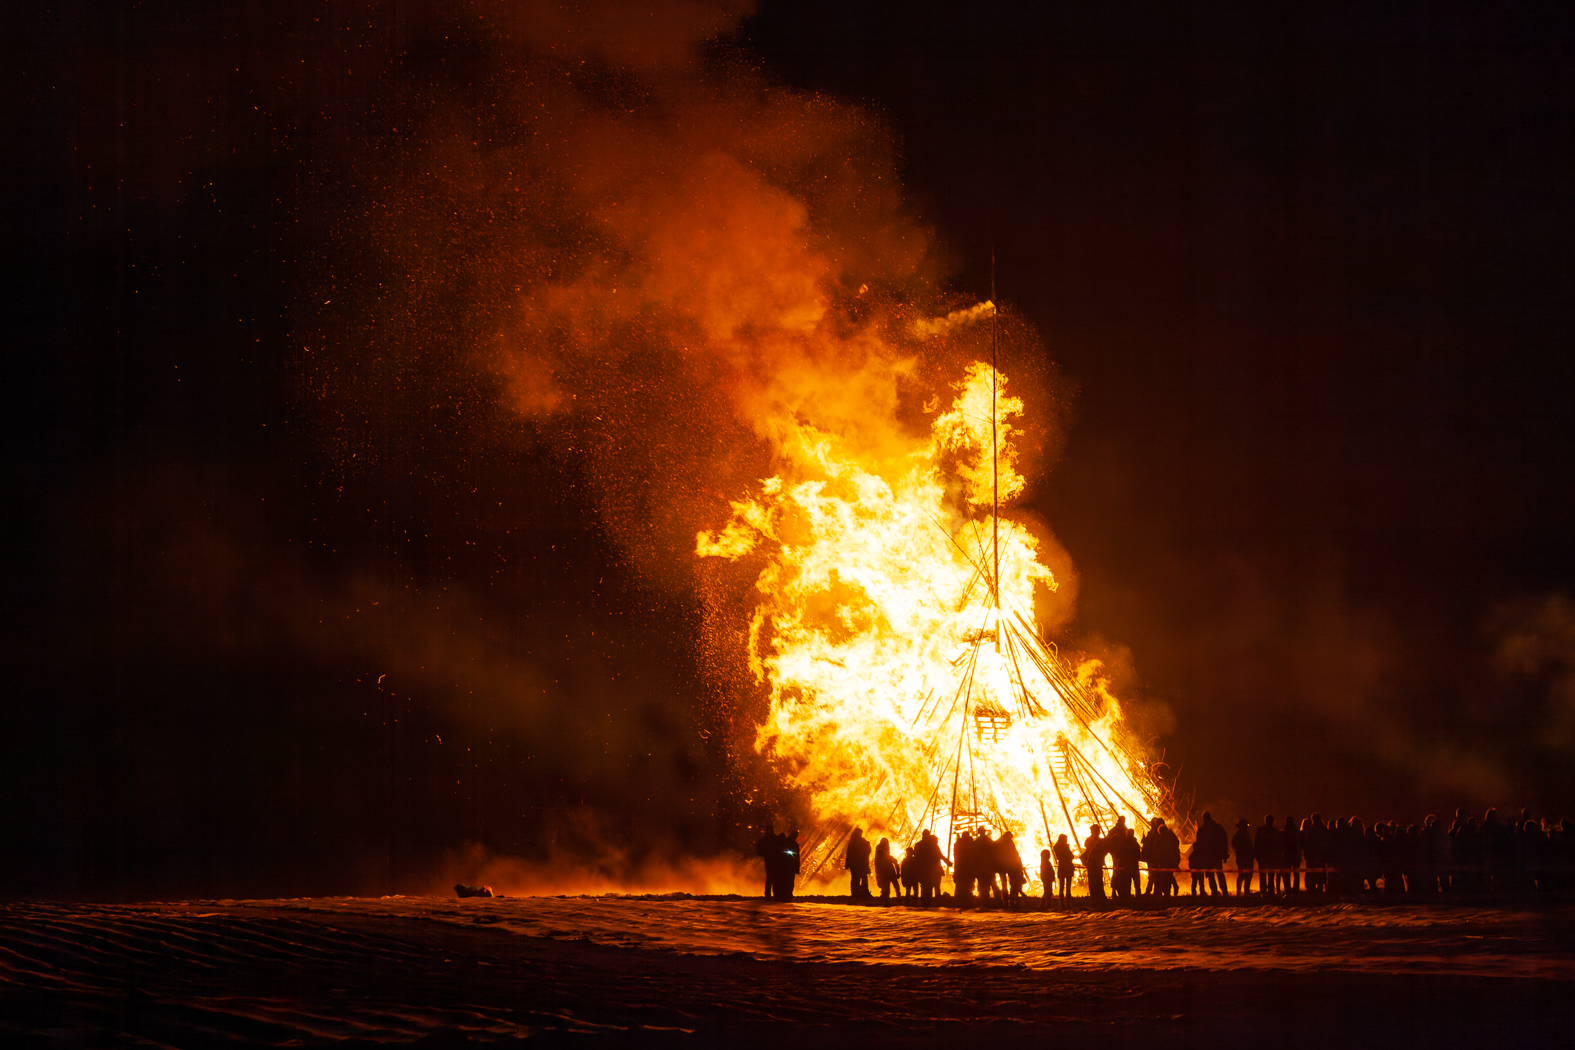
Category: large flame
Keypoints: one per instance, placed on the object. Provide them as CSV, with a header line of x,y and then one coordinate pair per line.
x,y
907,691
688,287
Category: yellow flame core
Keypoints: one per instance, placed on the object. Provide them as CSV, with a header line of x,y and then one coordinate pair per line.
x,y
903,696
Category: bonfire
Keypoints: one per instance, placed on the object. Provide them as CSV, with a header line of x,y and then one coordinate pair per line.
x,y
893,626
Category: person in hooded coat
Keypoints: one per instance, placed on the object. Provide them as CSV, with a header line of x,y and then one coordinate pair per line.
x,y
886,874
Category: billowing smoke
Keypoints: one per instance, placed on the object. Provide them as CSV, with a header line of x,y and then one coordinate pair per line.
x,y
383,362
668,270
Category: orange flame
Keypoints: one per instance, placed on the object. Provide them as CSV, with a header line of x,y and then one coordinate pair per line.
x,y
705,321
906,690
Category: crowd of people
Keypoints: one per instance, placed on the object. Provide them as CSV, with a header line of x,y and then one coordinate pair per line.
x,y
1340,856
1345,855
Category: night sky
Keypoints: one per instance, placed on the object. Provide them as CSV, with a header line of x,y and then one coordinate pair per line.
x,y
298,604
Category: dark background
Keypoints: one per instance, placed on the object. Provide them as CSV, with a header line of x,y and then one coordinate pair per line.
x,y
1310,267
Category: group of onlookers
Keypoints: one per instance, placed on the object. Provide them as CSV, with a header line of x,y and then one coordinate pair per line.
x,y
1347,856
1343,855
1159,850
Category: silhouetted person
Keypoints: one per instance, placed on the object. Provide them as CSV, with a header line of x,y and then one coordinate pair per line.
x,y
1470,856
1561,856
909,873
1389,846
1162,854
887,876
1065,867
1125,853
1146,855
789,862
1437,856
1173,857
1266,848
1457,878
1533,854
1242,843
1364,848
768,845
1412,858
1046,878
1115,840
985,867
856,859
1345,857
1210,848
1094,851
964,868
1499,841
1003,851
1315,847
1290,856
930,862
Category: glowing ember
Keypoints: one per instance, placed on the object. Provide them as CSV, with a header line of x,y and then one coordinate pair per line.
x,y
903,695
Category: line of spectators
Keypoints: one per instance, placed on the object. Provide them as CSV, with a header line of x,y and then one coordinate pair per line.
x,y
1345,855
1341,856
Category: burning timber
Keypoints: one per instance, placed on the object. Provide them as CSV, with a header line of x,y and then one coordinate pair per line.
x,y
893,627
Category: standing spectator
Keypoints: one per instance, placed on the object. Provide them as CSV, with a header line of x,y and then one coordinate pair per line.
x,y
1210,849
768,845
1315,847
856,859
1437,856
1266,848
1121,876
1095,848
1169,856
1242,843
1290,856
1064,867
1127,854
1161,852
1009,862
963,864
931,865
887,876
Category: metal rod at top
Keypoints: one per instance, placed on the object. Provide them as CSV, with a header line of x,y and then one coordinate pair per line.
x,y
995,458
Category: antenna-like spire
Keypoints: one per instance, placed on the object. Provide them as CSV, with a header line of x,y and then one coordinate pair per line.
x,y
995,460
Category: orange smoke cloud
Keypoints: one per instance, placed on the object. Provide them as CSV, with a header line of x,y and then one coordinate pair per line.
x,y
708,291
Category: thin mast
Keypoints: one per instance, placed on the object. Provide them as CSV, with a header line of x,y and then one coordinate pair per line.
x,y
995,460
